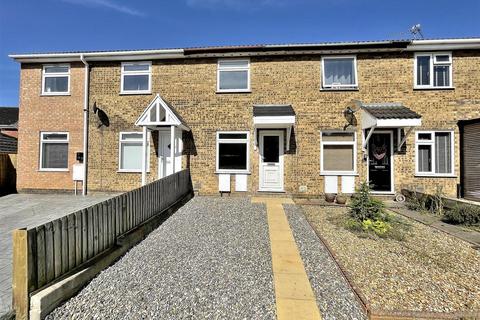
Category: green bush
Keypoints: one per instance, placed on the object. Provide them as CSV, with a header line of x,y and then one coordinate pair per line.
x,y
463,214
364,207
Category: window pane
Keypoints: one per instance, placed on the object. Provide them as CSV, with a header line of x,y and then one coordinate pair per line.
x,y
337,136
424,158
423,70
55,156
424,136
56,69
232,156
233,80
135,82
442,58
232,136
132,136
338,158
443,155
136,67
56,84
339,71
441,76
55,136
131,156
271,151
233,64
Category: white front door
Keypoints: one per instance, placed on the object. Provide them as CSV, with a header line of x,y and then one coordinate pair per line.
x,y
164,158
271,160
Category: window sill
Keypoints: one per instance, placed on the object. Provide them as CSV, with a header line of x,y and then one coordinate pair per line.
x,y
131,171
63,94
233,91
53,170
233,172
333,173
418,175
340,89
432,88
128,93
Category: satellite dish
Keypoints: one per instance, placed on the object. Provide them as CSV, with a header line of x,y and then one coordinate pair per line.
x,y
102,116
349,113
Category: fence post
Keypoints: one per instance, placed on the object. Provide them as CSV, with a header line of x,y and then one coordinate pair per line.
x,y
20,276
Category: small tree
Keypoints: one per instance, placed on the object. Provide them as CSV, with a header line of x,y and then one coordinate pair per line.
x,y
364,207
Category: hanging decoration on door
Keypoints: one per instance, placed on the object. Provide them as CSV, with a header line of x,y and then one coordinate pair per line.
x,y
379,152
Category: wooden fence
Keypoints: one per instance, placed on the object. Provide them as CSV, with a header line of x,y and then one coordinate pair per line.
x,y
57,247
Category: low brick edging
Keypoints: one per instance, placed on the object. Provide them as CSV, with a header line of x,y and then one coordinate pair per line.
x,y
378,314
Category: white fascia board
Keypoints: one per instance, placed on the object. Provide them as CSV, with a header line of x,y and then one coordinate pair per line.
x,y
398,123
285,120
445,44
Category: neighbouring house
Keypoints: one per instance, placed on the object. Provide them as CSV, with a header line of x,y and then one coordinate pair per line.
x,y
302,119
8,149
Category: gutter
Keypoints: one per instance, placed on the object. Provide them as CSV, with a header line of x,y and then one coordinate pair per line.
x,y
85,124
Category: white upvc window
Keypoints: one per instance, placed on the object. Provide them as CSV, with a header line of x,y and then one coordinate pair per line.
x,y
233,75
53,151
433,70
339,72
130,152
233,151
136,78
56,79
434,153
338,153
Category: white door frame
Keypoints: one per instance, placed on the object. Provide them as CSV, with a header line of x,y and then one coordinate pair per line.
x,y
392,165
160,158
280,134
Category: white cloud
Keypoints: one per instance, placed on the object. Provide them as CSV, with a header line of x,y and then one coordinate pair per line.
x,y
109,4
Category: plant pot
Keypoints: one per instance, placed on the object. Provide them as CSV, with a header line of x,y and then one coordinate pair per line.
x,y
330,197
341,199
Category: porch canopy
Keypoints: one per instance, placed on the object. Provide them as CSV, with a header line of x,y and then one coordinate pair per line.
x,y
159,114
273,117
389,115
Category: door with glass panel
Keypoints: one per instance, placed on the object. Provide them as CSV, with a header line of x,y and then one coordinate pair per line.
x,y
380,174
164,155
271,160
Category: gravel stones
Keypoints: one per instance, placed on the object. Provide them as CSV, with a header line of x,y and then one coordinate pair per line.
x,y
429,271
335,298
210,259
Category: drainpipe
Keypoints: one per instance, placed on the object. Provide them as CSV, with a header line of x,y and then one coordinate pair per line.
x,y
85,126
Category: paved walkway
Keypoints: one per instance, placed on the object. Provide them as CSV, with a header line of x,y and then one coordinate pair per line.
x,y
460,232
30,210
293,293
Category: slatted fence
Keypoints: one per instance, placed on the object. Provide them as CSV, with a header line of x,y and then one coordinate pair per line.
x,y
59,246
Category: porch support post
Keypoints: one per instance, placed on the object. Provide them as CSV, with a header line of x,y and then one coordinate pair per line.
x,y
400,145
289,134
365,143
172,147
144,156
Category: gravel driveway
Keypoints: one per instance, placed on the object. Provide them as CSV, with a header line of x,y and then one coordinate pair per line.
x,y
210,259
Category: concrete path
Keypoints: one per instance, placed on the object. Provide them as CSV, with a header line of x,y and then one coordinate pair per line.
x,y
460,232
293,293
30,210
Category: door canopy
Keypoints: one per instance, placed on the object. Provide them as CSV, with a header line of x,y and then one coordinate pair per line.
x,y
274,117
160,113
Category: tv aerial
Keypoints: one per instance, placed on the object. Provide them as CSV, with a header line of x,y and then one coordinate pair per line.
x,y
416,31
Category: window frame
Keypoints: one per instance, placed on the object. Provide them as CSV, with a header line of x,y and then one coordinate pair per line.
x,y
227,69
238,141
120,141
56,75
124,73
431,143
433,63
338,143
323,86
42,141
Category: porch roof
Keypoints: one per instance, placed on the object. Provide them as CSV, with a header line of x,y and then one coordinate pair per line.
x,y
389,115
160,113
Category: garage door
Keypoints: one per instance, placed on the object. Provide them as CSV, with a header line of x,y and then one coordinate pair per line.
x,y
471,160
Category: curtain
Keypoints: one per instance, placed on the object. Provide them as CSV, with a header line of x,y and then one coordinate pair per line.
x,y
424,158
339,71
443,155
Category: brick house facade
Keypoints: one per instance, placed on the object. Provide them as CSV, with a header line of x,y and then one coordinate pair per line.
x,y
187,81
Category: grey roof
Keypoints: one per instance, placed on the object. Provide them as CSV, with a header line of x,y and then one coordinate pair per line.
x,y
272,110
390,111
8,144
8,117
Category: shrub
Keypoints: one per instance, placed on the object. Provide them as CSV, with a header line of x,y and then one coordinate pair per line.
x,y
463,214
364,207
379,227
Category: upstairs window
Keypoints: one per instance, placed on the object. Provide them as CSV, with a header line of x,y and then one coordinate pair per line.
x,y
233,76
434,153
338,152
131,146
339,72
56,80
433,70
232,151
136,77
54,151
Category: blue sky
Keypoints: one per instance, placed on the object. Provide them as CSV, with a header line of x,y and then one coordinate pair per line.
x,y
64,25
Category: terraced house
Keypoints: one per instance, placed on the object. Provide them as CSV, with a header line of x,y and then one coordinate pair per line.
x,y
300,119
